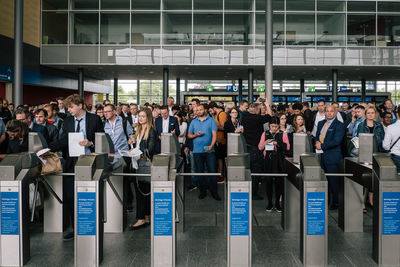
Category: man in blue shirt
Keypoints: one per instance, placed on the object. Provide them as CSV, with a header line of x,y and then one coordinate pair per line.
x,y
203,131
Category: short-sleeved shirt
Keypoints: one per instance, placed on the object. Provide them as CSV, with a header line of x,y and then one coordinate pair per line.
x,y
206,127
220,118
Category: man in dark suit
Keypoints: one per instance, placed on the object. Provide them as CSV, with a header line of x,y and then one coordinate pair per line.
x,y
79,121
165,124
329,139
25,116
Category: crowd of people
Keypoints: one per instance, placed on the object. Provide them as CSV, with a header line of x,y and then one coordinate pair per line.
x,y
201,129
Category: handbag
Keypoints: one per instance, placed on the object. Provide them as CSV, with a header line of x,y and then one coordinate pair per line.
x,y
50,163
144,167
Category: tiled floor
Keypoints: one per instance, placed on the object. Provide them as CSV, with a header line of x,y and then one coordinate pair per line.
x,y
204,241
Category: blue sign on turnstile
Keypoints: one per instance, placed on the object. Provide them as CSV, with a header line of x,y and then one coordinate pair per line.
x,y
391,213
162,214
9,213
315,213
239,213
86,213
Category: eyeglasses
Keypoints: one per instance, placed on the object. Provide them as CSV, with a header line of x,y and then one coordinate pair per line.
x,y
388,117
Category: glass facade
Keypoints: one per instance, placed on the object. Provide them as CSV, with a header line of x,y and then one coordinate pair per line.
x,y
227,32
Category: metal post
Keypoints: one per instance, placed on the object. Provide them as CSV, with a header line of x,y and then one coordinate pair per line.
x,y
186,85
268,50
165,85
240,85
81,81
178,91
334,85
18,52
138,92
107,96
302,90
250,85
363,90
115,91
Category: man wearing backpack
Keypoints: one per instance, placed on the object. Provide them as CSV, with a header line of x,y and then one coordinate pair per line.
x,y
119,131
391,142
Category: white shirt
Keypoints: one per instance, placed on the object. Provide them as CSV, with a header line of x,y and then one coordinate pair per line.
x,y
134,120
62,110
391,135
339,117
182,130
319,117
165,125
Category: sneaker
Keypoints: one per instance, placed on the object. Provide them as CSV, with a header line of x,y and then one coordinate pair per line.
x,y
68,236
269,208
202,195
192,187
220,179
278,208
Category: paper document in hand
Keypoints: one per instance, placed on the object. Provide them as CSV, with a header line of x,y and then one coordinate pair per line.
x,y
131,154
270,147
75,149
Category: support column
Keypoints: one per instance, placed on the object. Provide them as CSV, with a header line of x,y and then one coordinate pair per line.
x,y
115,91
165,85
138,92
363,90
334,85
81,81
250,85
107,96
240,90
18,52
186,85
268,51
302,90
178,91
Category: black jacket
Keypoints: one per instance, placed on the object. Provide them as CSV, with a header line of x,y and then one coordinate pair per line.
x,y
149,143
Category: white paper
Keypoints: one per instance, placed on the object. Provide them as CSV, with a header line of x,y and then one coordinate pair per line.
x,y
319,151
269,146
134,153
75,149
42,152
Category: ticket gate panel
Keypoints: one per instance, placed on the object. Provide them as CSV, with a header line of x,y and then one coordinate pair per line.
x,y
351,206
116,216
290,222
53,210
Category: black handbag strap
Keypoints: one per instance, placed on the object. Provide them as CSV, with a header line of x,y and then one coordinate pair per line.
x,y
394,143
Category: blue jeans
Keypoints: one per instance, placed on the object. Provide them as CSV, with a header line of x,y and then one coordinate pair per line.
x,y
194,180
396,161
211,181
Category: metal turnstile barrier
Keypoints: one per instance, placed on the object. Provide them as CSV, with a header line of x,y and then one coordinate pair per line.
x,y
90,215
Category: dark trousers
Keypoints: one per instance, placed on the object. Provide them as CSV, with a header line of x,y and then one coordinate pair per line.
x,y
256,166
333,181
277,182
68,193
206,181
142,202
128,194
396,161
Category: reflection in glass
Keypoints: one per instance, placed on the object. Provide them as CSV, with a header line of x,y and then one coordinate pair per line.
x,y
114,28
238,4
300,5
388,6
329,5
388,30
331,29
145,28
85,4
207,29
361,30
278,29
207,4
355,6
237,28
177,28
84,28
145,5
177,4
115,4
277,5
55,4
54,28
300,29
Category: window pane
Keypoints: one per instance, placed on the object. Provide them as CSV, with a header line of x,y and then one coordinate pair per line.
x,y
114,28
300,29
177,28
389,6
361,6
207,29
361,30
277,5
237,29
238,4
177,4
85,4
148,4
145,28
207,4
329,5
300,5
55,4
278,29
54,28
388,30
330,29
115,4
85,28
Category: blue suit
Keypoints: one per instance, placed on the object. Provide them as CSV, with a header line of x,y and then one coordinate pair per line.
x,y
36,128
332,154
173,125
